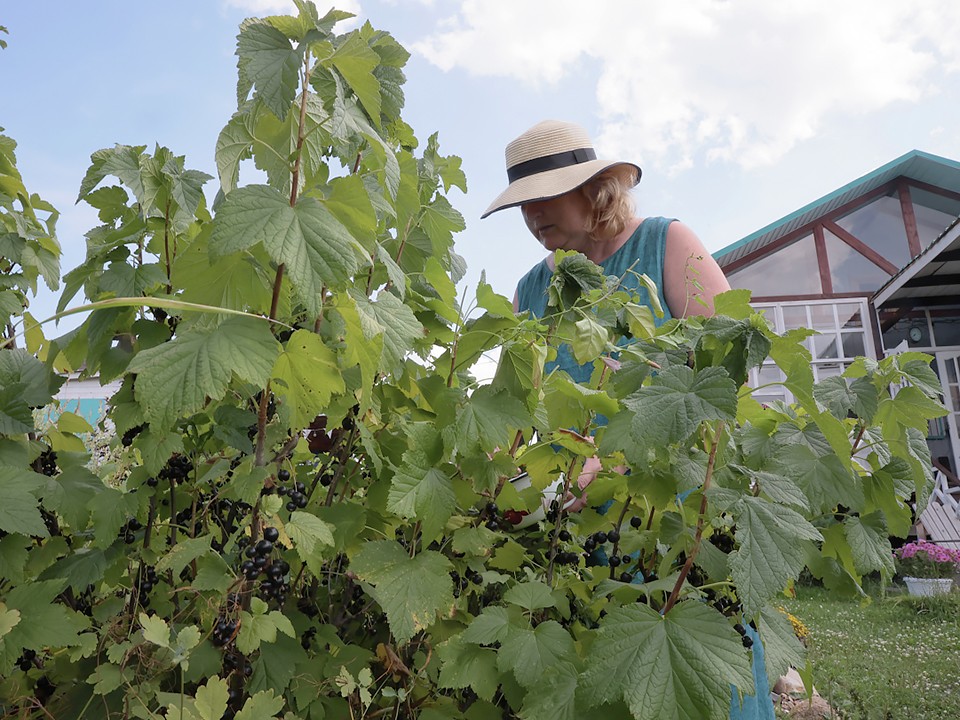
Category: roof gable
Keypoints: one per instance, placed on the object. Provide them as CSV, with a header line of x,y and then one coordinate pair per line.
x,y
915,165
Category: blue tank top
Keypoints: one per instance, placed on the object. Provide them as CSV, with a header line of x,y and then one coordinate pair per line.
x,y
641,254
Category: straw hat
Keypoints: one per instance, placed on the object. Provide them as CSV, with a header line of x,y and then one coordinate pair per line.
x,y
550,159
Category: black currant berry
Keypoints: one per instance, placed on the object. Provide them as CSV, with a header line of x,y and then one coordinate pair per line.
x,y
271,534
636,521
613,536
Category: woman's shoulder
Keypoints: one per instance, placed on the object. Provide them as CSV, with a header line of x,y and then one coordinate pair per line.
x,y
532,286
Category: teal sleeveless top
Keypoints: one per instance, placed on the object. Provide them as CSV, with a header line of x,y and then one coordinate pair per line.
x,y
642,254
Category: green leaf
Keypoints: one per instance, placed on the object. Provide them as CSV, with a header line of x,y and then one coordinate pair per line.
x,y
310,536
269,64
262,705
870,544
20,510
493,625
387,315
411,591
356,61
184,553
679,665
256,629
672,407
212,699
177,378
308,376
424,493
489,419
781,648
9,619
155,630
772,544
468,665
531,595
553,697
589,340
530,653
822,478
859,397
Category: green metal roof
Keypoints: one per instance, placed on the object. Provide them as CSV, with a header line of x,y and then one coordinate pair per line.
x,y
915,165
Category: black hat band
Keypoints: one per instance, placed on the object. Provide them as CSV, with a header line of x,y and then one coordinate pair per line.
x,y
550,162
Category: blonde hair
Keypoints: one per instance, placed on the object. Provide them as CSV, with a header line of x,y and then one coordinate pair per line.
x,y
611,202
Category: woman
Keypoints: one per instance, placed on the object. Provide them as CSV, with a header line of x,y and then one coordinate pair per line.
x,y
571,200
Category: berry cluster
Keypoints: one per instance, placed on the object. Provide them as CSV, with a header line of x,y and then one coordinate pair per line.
x,y
224,632
178,468
130,435
297,493
48,462
27,659
461,583
225,629
258,557
744,638
147,579
128,529
493,517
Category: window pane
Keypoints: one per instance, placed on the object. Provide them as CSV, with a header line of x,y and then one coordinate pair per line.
x,y
794,316
946,330
951,370
791,270
822,317
853,345
825,370
851,271
825,346
880,225
930,223
849,315
934,212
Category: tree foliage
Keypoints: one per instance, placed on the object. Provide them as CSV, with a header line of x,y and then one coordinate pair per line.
x,y
306,510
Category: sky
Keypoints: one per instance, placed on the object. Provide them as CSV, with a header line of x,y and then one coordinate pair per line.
x,y
738,111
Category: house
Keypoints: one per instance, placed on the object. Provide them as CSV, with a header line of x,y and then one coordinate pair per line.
x,y
874,268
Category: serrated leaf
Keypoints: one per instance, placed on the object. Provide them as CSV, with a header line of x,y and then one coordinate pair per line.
x,y
9,619
493,625
781,648
678,666
316,249
308,374
468,665
389,317
553,697
269,64
489,419
356,61
19,510
859,396
184,553
870,544
823,479
411,591
531,595
177,378
262,705
424,493
672,407
212,699
589,340
310,536
772,543
531,652
155,629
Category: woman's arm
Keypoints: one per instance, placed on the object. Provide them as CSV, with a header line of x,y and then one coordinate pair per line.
x,y
691,277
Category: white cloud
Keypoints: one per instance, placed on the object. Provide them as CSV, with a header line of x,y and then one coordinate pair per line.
x,y
709,80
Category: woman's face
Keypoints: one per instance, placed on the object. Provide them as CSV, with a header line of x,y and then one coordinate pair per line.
x,y
559,223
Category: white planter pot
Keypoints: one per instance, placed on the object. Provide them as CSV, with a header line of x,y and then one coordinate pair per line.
x,y
925,587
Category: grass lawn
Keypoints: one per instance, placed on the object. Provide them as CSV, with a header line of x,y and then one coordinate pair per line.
x,y
895,658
